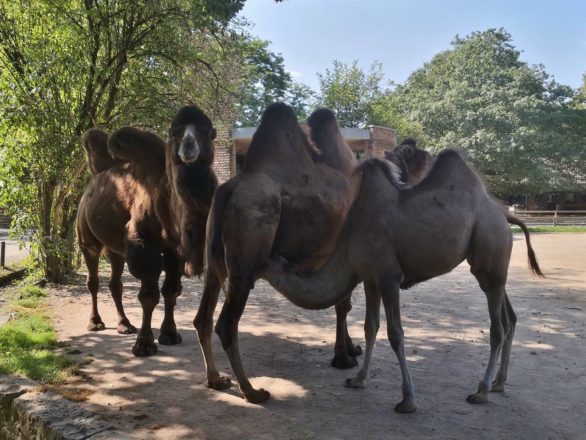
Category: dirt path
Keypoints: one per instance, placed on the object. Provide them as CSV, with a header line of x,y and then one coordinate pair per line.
x,y
287,351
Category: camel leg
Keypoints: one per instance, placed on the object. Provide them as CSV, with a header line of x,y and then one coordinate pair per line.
x,y
495,297
227,330
92,260
509,321
171,290
390,291
344,350
124,326
144,263
371,326
203,323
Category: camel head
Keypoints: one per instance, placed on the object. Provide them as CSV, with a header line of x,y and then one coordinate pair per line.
x,y
411,160
190,137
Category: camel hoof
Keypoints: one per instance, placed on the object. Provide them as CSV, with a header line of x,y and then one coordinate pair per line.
x,y
406,406
257,396
144,349
343,362
96,325
354,350
170,338
355,383
476,398
125,327
220,383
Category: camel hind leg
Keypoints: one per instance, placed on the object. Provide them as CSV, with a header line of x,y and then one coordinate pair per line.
x,y
495,295
509,322
124,326
91,255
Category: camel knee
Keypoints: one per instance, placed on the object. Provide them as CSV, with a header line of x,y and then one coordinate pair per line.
x,y
371,329
115,287
344,306
93,284
497,335
396,339
224,331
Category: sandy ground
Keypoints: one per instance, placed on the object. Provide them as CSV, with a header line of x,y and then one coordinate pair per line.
x,y
287,351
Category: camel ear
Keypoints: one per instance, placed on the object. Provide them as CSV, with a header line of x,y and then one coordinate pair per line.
x,y
213,134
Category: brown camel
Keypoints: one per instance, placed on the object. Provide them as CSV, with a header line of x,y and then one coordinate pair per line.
x,y
287,200
397,236
145,207
411,160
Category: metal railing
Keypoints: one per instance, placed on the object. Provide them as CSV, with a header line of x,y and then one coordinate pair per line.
x,y
554,218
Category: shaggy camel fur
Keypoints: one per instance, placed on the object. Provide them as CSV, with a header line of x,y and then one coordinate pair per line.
x,y
287,200
411,161
397,236
150,208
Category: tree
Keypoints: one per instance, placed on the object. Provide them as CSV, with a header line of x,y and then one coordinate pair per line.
x,y
67,65
514,122
350,92
269,82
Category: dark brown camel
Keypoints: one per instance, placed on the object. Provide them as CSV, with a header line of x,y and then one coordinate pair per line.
x,y
144,209
288,201
411,160
397,236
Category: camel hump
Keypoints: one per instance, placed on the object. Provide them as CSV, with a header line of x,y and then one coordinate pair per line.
x,y
449,167
190,114
278,112
321,117
95,143
133,144
279,146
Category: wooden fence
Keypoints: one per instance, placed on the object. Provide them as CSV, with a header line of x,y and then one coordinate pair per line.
x,y
553,218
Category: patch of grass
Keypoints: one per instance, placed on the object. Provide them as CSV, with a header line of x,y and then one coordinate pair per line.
x,y
573,229
28,339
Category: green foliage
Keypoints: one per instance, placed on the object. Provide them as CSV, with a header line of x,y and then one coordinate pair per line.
x,y
514,122
28,339
67,65
350,92
269,82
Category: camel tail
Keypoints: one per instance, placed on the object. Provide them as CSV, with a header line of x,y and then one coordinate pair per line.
x,y
530,252
214,254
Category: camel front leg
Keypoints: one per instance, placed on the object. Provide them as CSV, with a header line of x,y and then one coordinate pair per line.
x,y
203,323
227,330
148,296
390,291
171,290
344,350
371,326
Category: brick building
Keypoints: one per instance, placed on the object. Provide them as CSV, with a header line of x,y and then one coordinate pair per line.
x,y
232,145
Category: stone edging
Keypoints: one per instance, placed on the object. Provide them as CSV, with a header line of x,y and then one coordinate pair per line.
x,y
26,413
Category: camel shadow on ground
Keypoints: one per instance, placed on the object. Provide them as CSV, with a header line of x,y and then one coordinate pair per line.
x,y
287,350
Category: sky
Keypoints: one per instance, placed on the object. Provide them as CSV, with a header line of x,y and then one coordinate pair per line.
x,y
404,34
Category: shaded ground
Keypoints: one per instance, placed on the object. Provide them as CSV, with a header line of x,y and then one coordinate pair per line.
x,y
287,351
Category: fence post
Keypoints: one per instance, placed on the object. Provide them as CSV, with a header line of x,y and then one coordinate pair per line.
x,y
555,216
2,253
